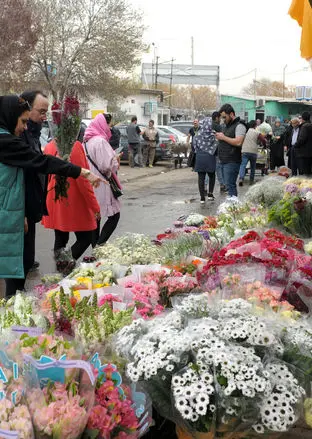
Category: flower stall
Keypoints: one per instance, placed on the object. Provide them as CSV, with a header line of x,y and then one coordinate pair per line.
x,y
206,328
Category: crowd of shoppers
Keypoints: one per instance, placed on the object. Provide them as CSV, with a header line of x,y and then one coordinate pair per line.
x,y
238,144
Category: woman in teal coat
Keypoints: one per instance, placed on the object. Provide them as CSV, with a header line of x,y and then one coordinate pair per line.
x,y
15,155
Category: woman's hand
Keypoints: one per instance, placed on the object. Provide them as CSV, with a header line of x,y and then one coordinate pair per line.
x,y
92,178
98,216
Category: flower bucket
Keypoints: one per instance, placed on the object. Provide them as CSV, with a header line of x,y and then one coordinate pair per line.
x,y
182,434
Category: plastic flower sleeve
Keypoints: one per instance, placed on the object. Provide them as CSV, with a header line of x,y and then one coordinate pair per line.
x,y
118,406
194,400
15,420
59,408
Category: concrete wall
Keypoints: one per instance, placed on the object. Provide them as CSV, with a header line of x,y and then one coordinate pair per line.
x,y
95,106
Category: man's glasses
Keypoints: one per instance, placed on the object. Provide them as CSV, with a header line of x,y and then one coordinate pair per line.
x,y
41,112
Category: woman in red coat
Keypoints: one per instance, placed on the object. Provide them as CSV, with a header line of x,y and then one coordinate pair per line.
x,y
78,213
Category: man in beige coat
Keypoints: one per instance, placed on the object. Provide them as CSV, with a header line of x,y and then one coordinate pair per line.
x,y
152,138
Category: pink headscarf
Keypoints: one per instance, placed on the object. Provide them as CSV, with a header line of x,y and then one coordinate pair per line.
x,y
98,127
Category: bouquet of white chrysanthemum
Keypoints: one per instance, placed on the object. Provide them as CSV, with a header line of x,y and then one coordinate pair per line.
x,y
130,249
216,365
194,219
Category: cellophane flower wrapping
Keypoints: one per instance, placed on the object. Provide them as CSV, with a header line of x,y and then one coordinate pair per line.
x,y
299,288
120,410
14,413
59,408
294,210
130,249
228,347
15,420
184,245
266,192
21,310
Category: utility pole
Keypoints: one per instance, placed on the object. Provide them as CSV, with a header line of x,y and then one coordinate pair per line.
x,y
192,88
156,72
255,86
171,78
284,74
153,63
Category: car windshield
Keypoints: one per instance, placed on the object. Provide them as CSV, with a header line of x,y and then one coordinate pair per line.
x,y
177,131
184,128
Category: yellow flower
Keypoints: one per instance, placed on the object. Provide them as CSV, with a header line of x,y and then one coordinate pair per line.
x,y
308,411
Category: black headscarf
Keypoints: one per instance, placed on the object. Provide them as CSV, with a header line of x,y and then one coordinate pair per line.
x,y
11,108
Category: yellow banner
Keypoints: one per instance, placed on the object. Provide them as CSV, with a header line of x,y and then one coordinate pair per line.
x,y
301,11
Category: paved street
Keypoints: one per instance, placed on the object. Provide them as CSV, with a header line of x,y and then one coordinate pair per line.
x,y
153,199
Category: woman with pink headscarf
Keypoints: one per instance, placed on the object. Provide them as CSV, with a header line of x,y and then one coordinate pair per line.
x,y
103,161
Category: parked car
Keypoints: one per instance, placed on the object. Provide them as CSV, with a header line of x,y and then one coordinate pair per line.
x,y
182,125
163,148
171,130
46,131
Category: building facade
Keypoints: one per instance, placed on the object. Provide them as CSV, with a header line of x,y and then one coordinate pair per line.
x,y
146,104
266,107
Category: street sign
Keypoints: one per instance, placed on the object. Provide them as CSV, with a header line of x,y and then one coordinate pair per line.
x,y
181,74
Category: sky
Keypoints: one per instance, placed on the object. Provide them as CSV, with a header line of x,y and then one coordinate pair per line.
x,y
238,35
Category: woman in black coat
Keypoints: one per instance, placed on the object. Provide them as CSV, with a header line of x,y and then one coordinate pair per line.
x,y
205,145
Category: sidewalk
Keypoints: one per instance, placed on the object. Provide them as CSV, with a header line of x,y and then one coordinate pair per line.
x,y
127,174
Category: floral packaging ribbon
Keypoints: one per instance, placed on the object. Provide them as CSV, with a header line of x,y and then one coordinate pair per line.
x,y
64,364
5,434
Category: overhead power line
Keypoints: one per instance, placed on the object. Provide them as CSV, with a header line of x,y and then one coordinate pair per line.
x,y
237,77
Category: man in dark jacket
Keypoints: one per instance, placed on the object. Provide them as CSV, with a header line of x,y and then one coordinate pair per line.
x,y
135,147
230,147
303,147
35,196
216,126
291,138
114,141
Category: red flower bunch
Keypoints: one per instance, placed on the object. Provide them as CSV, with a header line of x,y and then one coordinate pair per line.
x,y
274,251
56,113
71,106
288,241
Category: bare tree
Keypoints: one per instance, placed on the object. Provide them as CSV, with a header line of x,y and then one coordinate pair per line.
x,y
204,97
266,87
88,45
18,36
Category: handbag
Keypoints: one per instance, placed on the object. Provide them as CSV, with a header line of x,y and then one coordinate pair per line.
x,y
112,180
191,159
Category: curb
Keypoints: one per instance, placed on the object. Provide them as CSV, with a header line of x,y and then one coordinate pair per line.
x,y
163,170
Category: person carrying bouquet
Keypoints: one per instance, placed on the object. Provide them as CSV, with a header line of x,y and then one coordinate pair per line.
x,y
15,156
72,205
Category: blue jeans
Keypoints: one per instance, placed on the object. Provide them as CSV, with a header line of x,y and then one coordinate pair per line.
x,y
230,173
248,157
219,172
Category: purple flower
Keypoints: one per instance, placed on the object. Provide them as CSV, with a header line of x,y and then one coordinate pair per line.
x,y
305,190
292,188
205,234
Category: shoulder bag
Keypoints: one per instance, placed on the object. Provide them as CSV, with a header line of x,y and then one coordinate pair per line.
x,y
117,192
